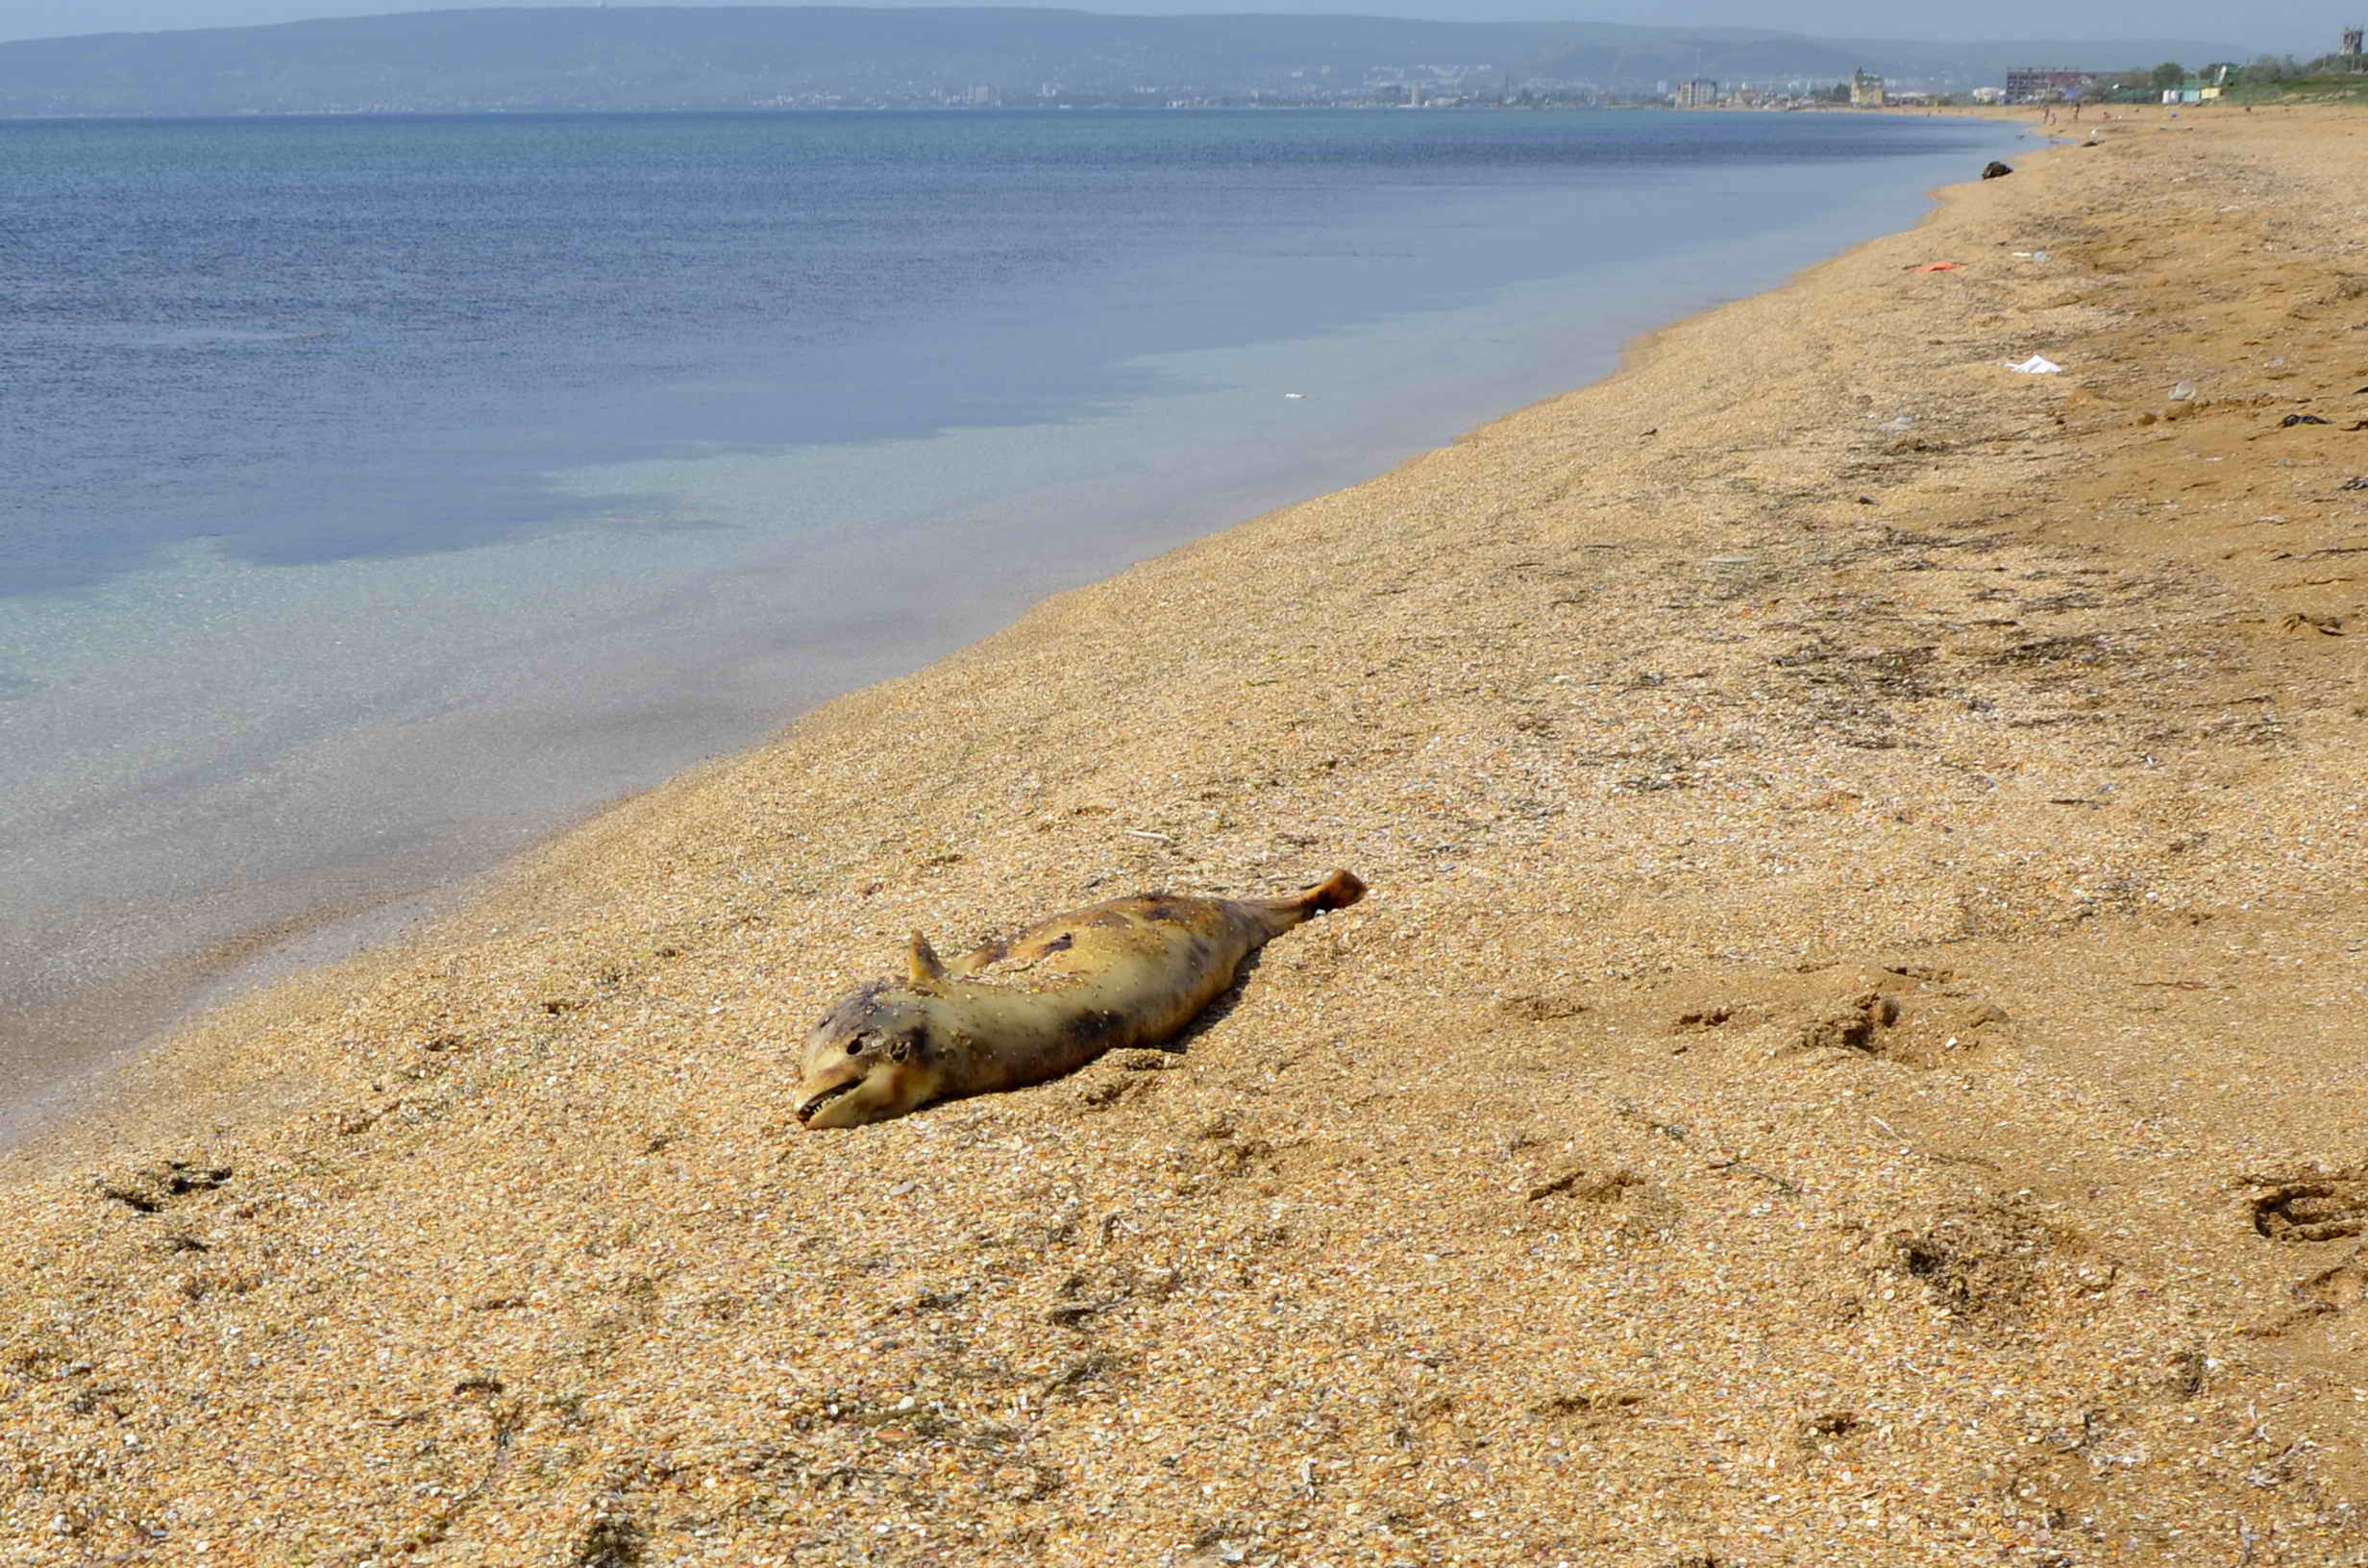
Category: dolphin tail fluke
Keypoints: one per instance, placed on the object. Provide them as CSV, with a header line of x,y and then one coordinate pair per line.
x,y
1338,891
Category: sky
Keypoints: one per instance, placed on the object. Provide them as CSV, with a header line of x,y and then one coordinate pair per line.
x,y
2303,27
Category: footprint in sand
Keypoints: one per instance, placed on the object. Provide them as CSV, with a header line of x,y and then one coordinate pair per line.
x,y
149,1188
2342,1288
2310,1206
1909,1014
2329,1295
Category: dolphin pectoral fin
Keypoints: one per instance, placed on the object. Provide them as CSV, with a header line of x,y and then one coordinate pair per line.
x,y
922,962
978,958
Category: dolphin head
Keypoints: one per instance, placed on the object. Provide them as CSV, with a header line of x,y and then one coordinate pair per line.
x,y
871,1058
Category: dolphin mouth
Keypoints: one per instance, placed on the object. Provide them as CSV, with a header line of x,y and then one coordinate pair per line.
x,y
806,1111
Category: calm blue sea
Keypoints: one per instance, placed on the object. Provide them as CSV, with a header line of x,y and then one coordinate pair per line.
x,y
377,493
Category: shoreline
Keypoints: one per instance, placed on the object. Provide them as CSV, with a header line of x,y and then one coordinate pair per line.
x,y
82,1021
1848,1054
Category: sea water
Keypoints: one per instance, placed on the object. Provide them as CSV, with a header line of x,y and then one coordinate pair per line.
x,y
378,493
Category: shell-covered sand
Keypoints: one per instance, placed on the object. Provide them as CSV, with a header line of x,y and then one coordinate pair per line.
x,y
1854,1052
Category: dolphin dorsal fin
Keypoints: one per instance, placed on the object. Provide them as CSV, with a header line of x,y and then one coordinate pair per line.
x,y
922,963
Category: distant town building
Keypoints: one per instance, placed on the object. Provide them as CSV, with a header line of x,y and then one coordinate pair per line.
x,y
2353,58
2036,84
1699,93
1989,95
1866,91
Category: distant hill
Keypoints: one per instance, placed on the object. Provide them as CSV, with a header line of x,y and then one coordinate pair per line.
x,y
643,58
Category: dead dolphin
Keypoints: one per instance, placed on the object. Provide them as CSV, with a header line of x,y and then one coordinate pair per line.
x,y
1132,971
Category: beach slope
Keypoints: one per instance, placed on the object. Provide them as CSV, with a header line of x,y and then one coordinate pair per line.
x,y
1851,1053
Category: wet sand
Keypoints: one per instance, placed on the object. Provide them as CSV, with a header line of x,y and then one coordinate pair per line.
x,y
1852,1053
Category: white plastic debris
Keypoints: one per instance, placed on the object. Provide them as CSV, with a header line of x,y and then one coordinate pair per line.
x,y
2182,391
2039,365
1898,423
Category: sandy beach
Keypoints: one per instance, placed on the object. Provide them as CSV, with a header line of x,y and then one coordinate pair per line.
x,y
1853,1053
